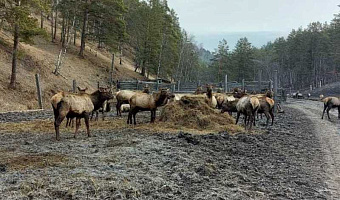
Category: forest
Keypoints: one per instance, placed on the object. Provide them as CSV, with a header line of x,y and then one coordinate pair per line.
x,y
150,32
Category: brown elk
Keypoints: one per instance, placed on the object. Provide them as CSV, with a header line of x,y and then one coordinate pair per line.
x,y
229,106
56,98
123,97
80,106
329,103
248,106
147,102
266,107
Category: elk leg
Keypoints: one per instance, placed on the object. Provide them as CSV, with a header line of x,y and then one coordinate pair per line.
x,y
151,116
118,109
245,120
272,116
67,122
92,113
154,115
268,117
77,127
55,112
237,117
252,117
324,109
134,117
72,123
328,109
57,123
254,113
129,117
61,116
87,123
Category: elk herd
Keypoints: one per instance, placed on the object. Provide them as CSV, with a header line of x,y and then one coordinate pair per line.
x,y
75,106
85,105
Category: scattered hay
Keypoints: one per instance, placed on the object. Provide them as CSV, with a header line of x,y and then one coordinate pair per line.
x,y
34,161
193,112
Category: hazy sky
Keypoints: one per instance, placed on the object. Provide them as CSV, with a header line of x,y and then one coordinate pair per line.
x,y
215,17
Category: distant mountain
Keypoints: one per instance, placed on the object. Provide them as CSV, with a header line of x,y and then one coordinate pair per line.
x,y
257,39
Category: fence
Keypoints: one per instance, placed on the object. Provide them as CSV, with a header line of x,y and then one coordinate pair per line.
x,y
138,85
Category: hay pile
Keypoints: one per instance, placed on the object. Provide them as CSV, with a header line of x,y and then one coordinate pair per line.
x,y
193,112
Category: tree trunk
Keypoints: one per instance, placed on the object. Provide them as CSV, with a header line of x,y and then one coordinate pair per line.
x,y
55,24
62,32
143,68
42,20
83,33
68,31
74,37
14,56
52,25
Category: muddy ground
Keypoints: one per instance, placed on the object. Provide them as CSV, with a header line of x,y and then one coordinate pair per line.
x,y
297,158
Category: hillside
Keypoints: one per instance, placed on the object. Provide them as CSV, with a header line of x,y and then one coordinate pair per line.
x,y
40,58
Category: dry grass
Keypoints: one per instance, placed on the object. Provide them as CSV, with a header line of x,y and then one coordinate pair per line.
x,y
35,161
46,126
194,114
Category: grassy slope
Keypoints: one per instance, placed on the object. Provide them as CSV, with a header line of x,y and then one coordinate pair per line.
x,y
40,58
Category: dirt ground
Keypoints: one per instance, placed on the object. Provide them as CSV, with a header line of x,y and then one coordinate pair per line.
x,y
297,158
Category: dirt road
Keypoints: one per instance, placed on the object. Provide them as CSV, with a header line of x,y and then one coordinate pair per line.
x,y
328,134
297,158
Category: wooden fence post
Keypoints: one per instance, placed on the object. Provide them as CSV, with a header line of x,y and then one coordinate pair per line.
x,y
74,86
37,80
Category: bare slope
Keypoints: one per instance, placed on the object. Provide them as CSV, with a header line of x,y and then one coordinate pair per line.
x,y
40,58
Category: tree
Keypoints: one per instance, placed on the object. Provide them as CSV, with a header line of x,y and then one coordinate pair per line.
x,y
243,55
23,25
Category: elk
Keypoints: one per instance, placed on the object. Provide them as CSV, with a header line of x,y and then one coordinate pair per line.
x,y
329,103
229,106
106,107
223,98
199,90
55,99
146,102
80,106
123,97
211,98
266,107
248,106
125,108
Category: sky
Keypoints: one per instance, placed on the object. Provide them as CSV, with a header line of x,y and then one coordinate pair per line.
x,y
259,20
